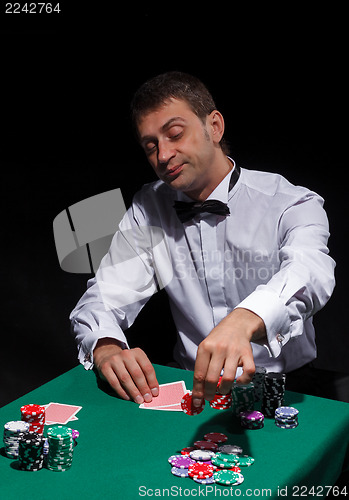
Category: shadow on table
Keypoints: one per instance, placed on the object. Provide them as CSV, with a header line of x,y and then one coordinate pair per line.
x,y
220,423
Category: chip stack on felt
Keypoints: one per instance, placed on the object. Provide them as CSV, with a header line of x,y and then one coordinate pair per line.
x,y
35,416
13,431
274,390
31,451
286,417
243,398
60,448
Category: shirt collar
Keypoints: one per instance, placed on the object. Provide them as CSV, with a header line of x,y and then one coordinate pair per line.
x,y
219,193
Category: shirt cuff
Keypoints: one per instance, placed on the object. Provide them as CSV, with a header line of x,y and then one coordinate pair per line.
x,y
268,306
86,348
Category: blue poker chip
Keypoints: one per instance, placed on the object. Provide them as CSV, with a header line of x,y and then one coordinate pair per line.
x,y
176,471
209,480
286,412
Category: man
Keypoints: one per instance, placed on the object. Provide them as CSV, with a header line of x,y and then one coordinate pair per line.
x,y
244,273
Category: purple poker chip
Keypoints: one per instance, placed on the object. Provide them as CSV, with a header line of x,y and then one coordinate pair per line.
x,y
176,471
252,416
181,461
75,434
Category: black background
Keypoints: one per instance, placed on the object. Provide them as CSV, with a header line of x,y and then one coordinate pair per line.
x,y
278,77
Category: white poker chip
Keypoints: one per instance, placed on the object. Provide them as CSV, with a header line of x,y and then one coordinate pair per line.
x,y
203,455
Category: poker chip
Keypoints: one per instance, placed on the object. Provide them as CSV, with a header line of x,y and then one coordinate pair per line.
x,y
230,449
187,450
202,455
224,464
176,471
227,457
206,445
216,437
181,461
221,401
227,477
201,469
235,468
209,480
252,419
188,407
245,461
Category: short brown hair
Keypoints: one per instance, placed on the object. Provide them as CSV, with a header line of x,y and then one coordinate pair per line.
x,y
176,85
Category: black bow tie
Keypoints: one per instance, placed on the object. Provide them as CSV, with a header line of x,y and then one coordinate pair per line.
x,y
187,211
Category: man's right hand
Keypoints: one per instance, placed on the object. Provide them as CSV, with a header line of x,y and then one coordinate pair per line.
x,y
128,371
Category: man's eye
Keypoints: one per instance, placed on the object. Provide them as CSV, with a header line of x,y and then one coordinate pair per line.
x,y
176,133
150,147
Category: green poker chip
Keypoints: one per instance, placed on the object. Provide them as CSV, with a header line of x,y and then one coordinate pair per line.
x,y
227,457
227,477
245,461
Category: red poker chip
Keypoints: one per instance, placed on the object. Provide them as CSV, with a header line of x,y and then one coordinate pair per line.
x,y
186,451
220,407
206,445
200,470
235,468
216,437
221,403
188,407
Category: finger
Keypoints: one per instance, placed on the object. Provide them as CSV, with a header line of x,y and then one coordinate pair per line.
x,y
229,375
201,366
249,369
107,373
148,371
213,373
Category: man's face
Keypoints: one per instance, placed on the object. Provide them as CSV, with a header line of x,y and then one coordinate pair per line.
x,y
179,146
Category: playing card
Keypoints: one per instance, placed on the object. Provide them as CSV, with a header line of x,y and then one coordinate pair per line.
x,y
169,397
58,413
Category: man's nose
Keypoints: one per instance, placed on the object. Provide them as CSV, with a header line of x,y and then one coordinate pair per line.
x,y
165,152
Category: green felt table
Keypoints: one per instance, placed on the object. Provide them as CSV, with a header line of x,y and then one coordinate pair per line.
x,y
123,450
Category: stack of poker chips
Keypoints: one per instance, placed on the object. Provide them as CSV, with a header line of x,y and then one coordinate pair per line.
x,y
252,419
242,398
258,381
13,431
286,417
60,449
274,390
35,416
31,451
221,401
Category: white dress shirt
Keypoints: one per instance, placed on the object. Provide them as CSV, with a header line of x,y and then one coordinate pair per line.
x,y
269,255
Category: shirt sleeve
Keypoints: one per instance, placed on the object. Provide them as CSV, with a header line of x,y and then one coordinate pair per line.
x,y
123,284
305,279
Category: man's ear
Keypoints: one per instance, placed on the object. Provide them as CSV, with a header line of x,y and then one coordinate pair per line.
x,y
215,122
